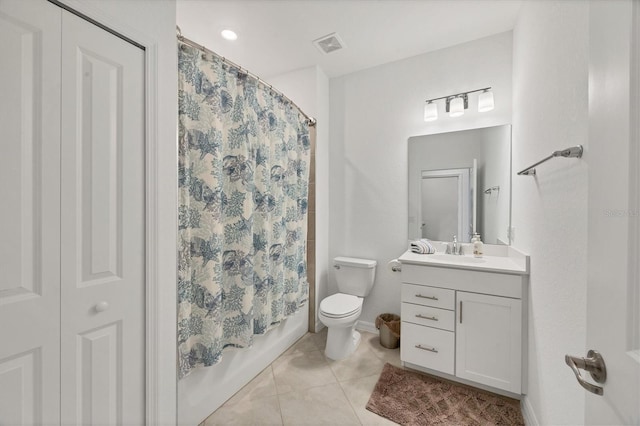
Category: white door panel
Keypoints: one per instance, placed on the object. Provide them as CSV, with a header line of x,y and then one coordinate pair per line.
x,y
80,248
102,227
29,212
612,288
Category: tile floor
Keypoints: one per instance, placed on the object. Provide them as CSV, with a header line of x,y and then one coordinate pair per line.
x,y
303,387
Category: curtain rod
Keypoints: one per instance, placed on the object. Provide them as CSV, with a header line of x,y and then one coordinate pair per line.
x,y
310,120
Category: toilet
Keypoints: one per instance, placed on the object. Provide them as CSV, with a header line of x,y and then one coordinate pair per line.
x,y
340,312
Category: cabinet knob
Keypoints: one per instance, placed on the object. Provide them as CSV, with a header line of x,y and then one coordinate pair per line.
x,y
101,306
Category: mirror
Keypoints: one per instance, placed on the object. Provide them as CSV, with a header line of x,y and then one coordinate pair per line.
x,y
460,183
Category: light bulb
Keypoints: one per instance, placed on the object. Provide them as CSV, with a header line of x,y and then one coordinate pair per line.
x,y
456,107
229,35
430,111
485,101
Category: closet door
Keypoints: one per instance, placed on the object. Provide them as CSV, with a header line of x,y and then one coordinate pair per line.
x,y
29,213
103,230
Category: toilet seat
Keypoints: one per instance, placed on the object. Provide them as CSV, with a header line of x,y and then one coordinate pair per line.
x,y
340,305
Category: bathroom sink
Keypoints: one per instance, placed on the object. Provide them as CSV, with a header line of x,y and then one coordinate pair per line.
x,y
456,259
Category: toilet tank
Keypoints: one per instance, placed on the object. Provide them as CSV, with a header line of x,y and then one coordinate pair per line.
x,y
354,276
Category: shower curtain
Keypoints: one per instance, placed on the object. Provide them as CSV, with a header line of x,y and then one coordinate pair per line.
x,y
243,185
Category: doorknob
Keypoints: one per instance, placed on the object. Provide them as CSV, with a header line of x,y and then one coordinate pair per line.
x,y
101,306
594,364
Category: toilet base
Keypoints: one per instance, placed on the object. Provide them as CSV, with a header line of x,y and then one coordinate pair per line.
x,y
341,342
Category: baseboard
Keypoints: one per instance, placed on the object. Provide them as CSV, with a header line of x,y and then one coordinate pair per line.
x,y
366,326
528,413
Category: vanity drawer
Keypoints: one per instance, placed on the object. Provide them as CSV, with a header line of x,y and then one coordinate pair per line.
x,y
429,296
429,316
497,284
428,347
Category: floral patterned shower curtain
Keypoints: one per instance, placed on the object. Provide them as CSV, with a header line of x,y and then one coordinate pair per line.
x,y
243,185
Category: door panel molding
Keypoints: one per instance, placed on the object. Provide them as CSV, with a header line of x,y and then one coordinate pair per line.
x,y
100,351
100,193
20,377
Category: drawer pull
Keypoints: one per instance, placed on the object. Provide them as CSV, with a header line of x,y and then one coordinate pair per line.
x,y
427,349
427,318
427,297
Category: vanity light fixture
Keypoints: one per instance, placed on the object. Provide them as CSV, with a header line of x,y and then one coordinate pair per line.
x,y
457,103
430,111
485,101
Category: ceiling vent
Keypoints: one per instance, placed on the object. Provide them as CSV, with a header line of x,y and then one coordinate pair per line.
x,y
329,43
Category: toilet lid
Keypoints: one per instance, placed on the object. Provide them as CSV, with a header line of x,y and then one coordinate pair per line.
x,y
340,305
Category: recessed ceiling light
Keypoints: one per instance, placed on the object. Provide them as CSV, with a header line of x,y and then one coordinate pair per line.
x,y
228,35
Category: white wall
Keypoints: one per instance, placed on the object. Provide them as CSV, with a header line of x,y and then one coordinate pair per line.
x,y
309,89
152,23
550,112
373,113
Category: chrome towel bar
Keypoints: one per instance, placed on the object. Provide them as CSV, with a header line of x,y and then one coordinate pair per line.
x,y
574,151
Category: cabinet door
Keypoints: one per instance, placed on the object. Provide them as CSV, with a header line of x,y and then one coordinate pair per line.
x,y
29,213
489,340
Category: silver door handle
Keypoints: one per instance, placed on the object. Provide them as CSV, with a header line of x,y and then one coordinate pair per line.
x,y
594,364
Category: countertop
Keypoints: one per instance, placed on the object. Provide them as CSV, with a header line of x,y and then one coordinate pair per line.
x,y
506,260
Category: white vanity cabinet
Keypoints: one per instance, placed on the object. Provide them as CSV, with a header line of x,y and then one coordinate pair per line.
x,y
489,340
464,324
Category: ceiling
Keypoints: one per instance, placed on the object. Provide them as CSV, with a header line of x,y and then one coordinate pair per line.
x,y
275,36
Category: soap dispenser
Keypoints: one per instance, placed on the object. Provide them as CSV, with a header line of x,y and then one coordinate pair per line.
x,y
478,245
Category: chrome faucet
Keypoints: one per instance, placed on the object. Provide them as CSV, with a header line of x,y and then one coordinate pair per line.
x,y
455,249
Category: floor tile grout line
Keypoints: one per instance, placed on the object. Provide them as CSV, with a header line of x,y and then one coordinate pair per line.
x,y
306,389
278,400
273,377
351,404
311,387
340,382
227,402
275,384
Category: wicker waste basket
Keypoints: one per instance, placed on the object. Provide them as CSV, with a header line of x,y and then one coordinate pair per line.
x,y
389,326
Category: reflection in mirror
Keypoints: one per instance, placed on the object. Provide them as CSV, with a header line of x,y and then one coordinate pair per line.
x,y
460,183
446,204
